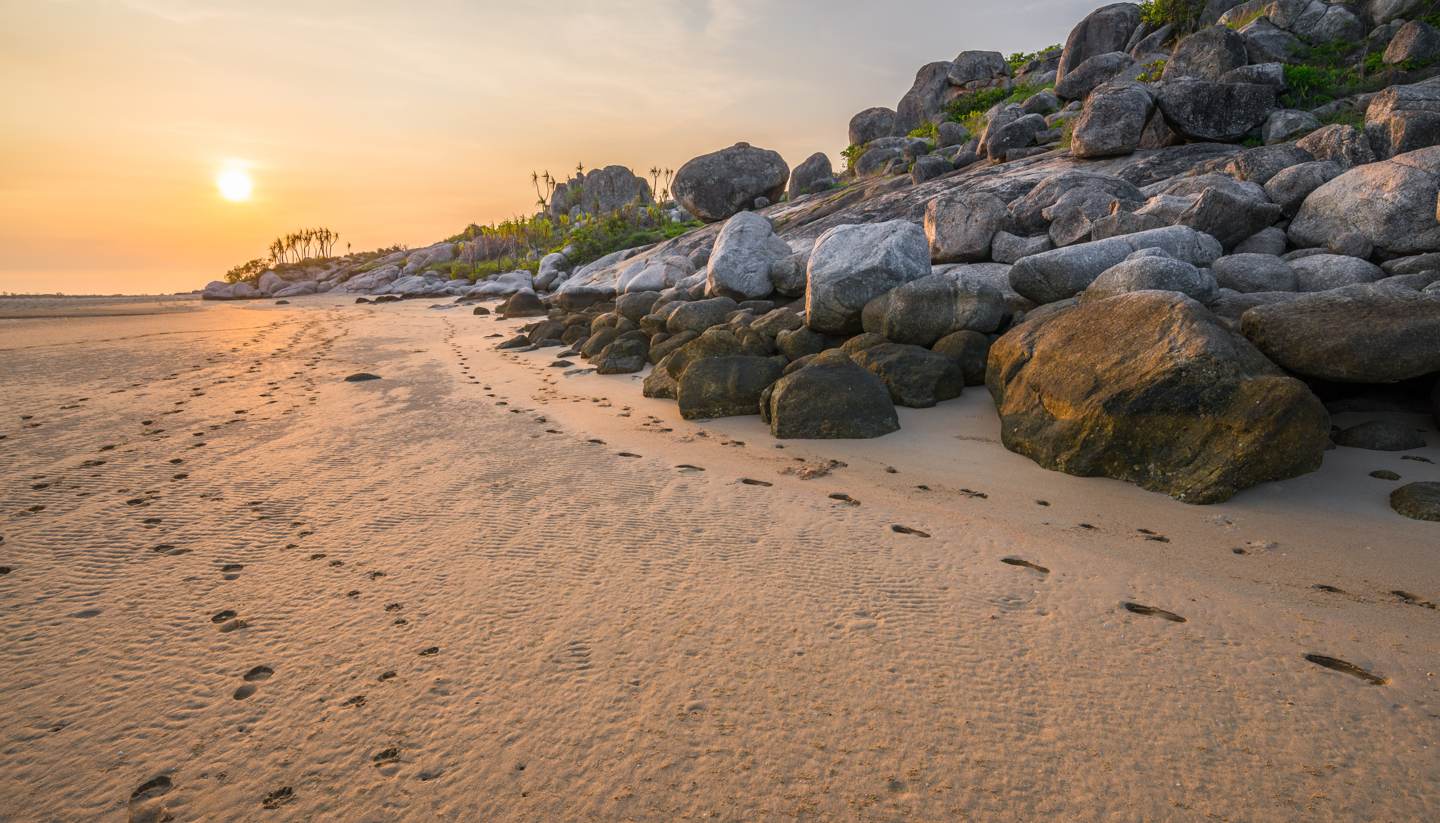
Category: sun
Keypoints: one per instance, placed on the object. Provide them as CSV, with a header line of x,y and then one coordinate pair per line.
x,y
235,185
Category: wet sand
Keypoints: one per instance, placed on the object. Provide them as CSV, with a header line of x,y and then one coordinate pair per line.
x,y
239,587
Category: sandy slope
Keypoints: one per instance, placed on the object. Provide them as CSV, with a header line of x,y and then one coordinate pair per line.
x,y
617,638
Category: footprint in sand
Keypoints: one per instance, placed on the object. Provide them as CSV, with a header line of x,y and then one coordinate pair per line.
x,y
429,651
686,468
357,701
1346,667
386,676
222,616
1154,536
1151,611
278,798
750,481
1413,600
845,498
230,571
146,805
626,454
899,529
1325,587
169,550
1025,564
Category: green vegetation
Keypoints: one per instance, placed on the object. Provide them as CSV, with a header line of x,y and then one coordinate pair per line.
x,y
852,155
1018,60
969,109
248,272
1246,19
1184,15
303,245
928,131
1322,74
1154,70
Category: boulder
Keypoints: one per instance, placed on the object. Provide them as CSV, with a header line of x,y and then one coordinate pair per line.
x,y
1212,111
1289,188
1322,272
1084,78
745,250
1073,216
1356,334
699,315
1415,42
600,191
1268,43
929,167
1007,247
812,176
1401,119
924,310
914,376
1254,273
1002,135
1261,163
625,355
1208,54
1144,271
1383,11
1336,24
218,290
970,349
552,270
872,124
926,99
960,225
635,305
1381,435
659,382
831,397
1056,275
1151,388
1267,241
1287,124
299,289
522,304
1417,501
1113,121
799,342
978,69
1229,217
1341,143
270,283
851,264
1106,29
950,133
654,274
726,386
1027,213
1392,203
718,185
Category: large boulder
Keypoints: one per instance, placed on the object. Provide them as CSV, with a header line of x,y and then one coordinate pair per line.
x,y
744,253
1322,272
812,176
1289,187
972,70
831,397
1416,41
1104,30
624,355
914,376
1113,120
1356,334
1061,273
1339,142
924,310
726,386
1208,54
1404,118
1392,203
1216,112
522,304
960,225
970,349
1254,273
1150,387
1086,77
718,185
1229,216
926,99
1005,132
851,264
699,315
1146,271
1417,501
872,124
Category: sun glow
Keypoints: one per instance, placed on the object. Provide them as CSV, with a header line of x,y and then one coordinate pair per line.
x,y
234,184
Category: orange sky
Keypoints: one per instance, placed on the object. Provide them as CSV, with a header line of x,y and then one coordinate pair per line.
x,y
402,123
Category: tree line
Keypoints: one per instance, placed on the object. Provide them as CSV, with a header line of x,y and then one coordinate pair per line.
x,y
303,244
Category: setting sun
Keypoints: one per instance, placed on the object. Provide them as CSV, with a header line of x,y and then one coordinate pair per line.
x,y
235,185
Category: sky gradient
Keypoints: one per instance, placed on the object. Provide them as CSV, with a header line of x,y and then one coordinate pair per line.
x,y
403,123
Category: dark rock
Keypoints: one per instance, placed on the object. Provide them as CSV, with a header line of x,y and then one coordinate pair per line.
x,y
970,350
1056,275
718,185
928,308
1418,501
812,176
481,311
1149,387
1208,54
1260,164
659,382
519,341
1143,271
522,304
915,377
361,377
926,99
1289,187
699,315
1254,273
1322,272
1221,112
1357,334
1104,30
831,397
726,386
600,191
1392,202
960,225
1381,435
1113,121
872,124
1228,217
1089,75
1416,41
851,264
1341,143
796,343
929,167
660,348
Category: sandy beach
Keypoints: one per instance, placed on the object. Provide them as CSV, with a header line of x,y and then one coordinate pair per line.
x,y
482,587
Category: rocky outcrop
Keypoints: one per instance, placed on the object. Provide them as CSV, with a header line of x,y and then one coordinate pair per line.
x,y
872,124
1223,112
744,254
1357,334
812,176
1113,120
1150,387
600,191
718,185
1107,29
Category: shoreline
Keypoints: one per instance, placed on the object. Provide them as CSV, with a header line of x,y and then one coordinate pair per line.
x,y
618,636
